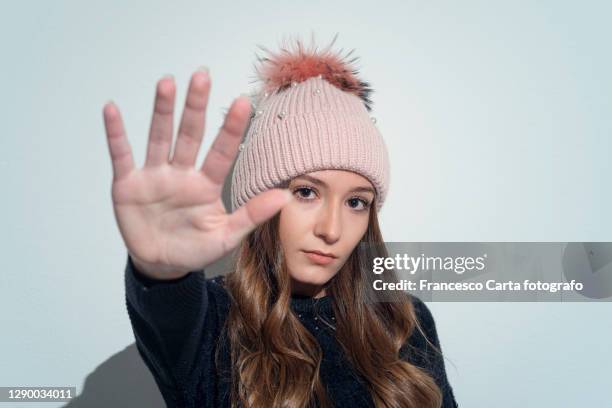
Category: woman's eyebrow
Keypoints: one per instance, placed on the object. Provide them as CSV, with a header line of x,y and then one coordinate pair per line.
x,y
312,179
363,189
322,183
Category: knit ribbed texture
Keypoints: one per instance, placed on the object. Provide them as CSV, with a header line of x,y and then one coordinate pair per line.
x,y
309,127
168,304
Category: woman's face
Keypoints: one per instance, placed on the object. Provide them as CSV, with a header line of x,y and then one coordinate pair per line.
x,y
329,213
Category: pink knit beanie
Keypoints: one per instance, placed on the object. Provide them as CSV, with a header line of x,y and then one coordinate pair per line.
x,y
311,113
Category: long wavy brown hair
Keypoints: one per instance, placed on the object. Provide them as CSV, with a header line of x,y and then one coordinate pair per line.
x,y
276,361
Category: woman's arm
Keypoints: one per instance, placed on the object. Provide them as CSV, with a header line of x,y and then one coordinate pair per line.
x,y
174,223
167,319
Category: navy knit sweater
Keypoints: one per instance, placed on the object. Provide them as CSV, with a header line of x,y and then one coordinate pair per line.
x,y
177,324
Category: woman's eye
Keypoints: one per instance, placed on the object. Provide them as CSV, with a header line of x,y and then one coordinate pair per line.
x,y
308,194
304,192
355,202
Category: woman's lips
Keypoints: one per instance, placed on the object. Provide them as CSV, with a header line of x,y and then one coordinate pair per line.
x,y
318,258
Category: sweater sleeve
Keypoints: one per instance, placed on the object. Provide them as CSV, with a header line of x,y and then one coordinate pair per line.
x,y
167,319
428,358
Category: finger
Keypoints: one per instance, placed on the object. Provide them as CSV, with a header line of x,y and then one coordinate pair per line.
x,y
191,129
222,153
160,133
257,210
118,145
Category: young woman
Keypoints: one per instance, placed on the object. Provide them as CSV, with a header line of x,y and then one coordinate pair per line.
x,y
289,325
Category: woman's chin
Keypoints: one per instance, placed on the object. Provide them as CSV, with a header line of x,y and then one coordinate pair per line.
x,y
313,276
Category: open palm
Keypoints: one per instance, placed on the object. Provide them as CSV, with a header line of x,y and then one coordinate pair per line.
x,y
171,215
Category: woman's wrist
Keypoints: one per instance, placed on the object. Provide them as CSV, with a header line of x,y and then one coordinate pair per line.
x,y
157,272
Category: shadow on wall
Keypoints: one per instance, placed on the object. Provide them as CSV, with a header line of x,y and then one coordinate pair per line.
x,y
124,380
121,381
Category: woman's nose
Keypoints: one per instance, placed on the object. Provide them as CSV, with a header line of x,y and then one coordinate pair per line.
x,y
329,223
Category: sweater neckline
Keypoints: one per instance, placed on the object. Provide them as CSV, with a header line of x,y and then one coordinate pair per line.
x,y
304,304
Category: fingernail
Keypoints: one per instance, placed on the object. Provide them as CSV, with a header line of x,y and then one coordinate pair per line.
x,y
168,76
204,68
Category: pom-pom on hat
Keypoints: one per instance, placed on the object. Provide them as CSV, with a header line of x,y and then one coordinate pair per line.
x,y
310,113
279,71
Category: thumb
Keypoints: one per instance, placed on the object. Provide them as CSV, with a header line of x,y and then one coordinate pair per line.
x,y
256,211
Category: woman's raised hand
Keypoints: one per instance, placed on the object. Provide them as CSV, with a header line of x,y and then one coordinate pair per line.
x,y
170,215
